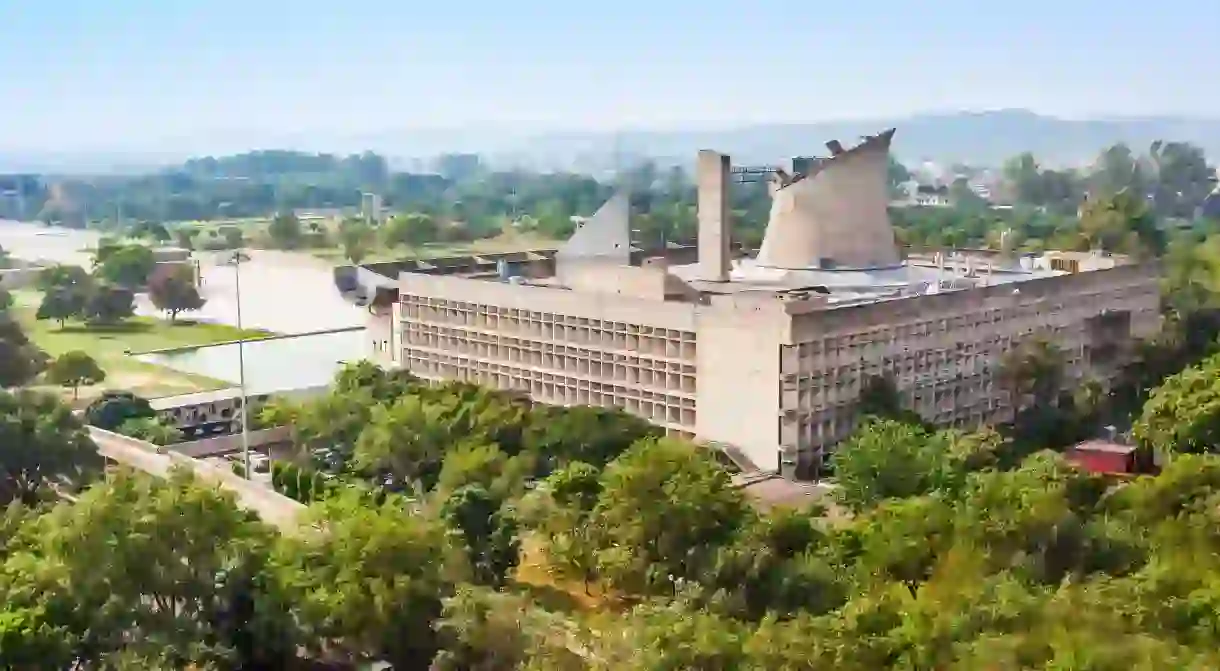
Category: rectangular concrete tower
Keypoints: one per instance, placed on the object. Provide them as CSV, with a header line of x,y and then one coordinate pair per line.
x,y
712,175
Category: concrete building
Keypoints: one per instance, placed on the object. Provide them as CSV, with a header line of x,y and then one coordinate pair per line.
x,y
762,356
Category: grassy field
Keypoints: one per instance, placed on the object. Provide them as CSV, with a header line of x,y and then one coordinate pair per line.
x,y
109,346
508,242
254,229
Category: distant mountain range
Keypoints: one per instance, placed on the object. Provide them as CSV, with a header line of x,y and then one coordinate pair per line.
x,y
980,138
983,138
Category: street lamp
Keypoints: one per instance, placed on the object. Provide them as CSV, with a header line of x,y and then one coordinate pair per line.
x,y
236,259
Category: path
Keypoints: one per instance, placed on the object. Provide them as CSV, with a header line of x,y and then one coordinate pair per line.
x,y
275,509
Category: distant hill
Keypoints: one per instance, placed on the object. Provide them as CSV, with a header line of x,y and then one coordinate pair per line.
x,y
983,138
974,137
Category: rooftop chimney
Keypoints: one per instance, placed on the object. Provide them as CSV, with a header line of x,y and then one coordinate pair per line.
x,y
712,174
835,147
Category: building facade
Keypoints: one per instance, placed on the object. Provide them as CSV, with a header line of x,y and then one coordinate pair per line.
x,y
763,357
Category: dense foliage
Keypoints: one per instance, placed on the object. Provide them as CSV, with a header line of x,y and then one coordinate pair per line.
x,y
973,561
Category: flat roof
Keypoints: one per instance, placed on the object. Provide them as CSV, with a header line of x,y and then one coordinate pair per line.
x,y
195,398
852,284
1103,446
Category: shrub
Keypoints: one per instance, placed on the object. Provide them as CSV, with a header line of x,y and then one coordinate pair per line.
x,y
277,476
288,480
305,491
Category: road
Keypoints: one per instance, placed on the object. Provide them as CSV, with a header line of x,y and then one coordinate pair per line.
x,y
275,509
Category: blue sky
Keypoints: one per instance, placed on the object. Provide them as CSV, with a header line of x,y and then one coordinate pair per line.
x,y
133,73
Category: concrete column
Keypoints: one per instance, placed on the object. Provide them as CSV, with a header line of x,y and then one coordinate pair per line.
x,y
712,174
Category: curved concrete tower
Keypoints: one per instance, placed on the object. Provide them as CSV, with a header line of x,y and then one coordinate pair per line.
x,y
835,216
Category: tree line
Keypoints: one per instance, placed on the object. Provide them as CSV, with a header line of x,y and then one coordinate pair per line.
x,y
1170,180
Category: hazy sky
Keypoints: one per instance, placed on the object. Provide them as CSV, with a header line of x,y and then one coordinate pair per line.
x,y
133,73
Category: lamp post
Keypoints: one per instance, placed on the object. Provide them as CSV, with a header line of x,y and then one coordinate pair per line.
x,y
237,258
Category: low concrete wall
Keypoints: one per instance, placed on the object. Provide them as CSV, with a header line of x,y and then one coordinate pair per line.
x,y
225,444
274,508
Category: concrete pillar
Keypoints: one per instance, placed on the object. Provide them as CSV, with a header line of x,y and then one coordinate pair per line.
x,y
712,174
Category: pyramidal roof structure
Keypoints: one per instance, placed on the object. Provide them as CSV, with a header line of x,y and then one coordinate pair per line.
x,y
836,214
603,237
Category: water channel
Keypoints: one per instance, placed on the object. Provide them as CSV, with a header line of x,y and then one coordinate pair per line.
x,y
282,292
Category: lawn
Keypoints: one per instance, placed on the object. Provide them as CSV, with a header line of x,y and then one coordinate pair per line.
x,y
109,345
507,242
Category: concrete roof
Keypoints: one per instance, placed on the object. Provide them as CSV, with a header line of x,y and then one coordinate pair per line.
x,y
605,236
851,284
837,214
195,398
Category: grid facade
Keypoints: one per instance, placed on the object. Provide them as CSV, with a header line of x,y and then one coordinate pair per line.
x,y
943,355
555,358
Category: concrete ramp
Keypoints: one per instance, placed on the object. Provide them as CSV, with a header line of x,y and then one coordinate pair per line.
x,y
275,509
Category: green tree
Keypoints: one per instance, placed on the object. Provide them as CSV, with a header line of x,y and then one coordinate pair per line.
x,y
20,360
126,266
1117,169
74,368
885,459
583,433
1183,414
372,585
364,376
172,289
412,230
1182,179
60,276
155,568
151,429
356,237
1121,223
152,230
233,236
110,410
486,631
62,303
1032,372
406,441
474,464
42,446
560,511
879,397
108,305
285,230
487,529
664,505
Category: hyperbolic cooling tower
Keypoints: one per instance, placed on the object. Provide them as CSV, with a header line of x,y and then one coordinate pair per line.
x,y
835,215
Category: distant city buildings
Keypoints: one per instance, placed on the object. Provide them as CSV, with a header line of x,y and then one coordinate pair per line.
x,y
765,356
371,208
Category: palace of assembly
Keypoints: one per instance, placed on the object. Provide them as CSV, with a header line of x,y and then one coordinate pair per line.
x,y
760,354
